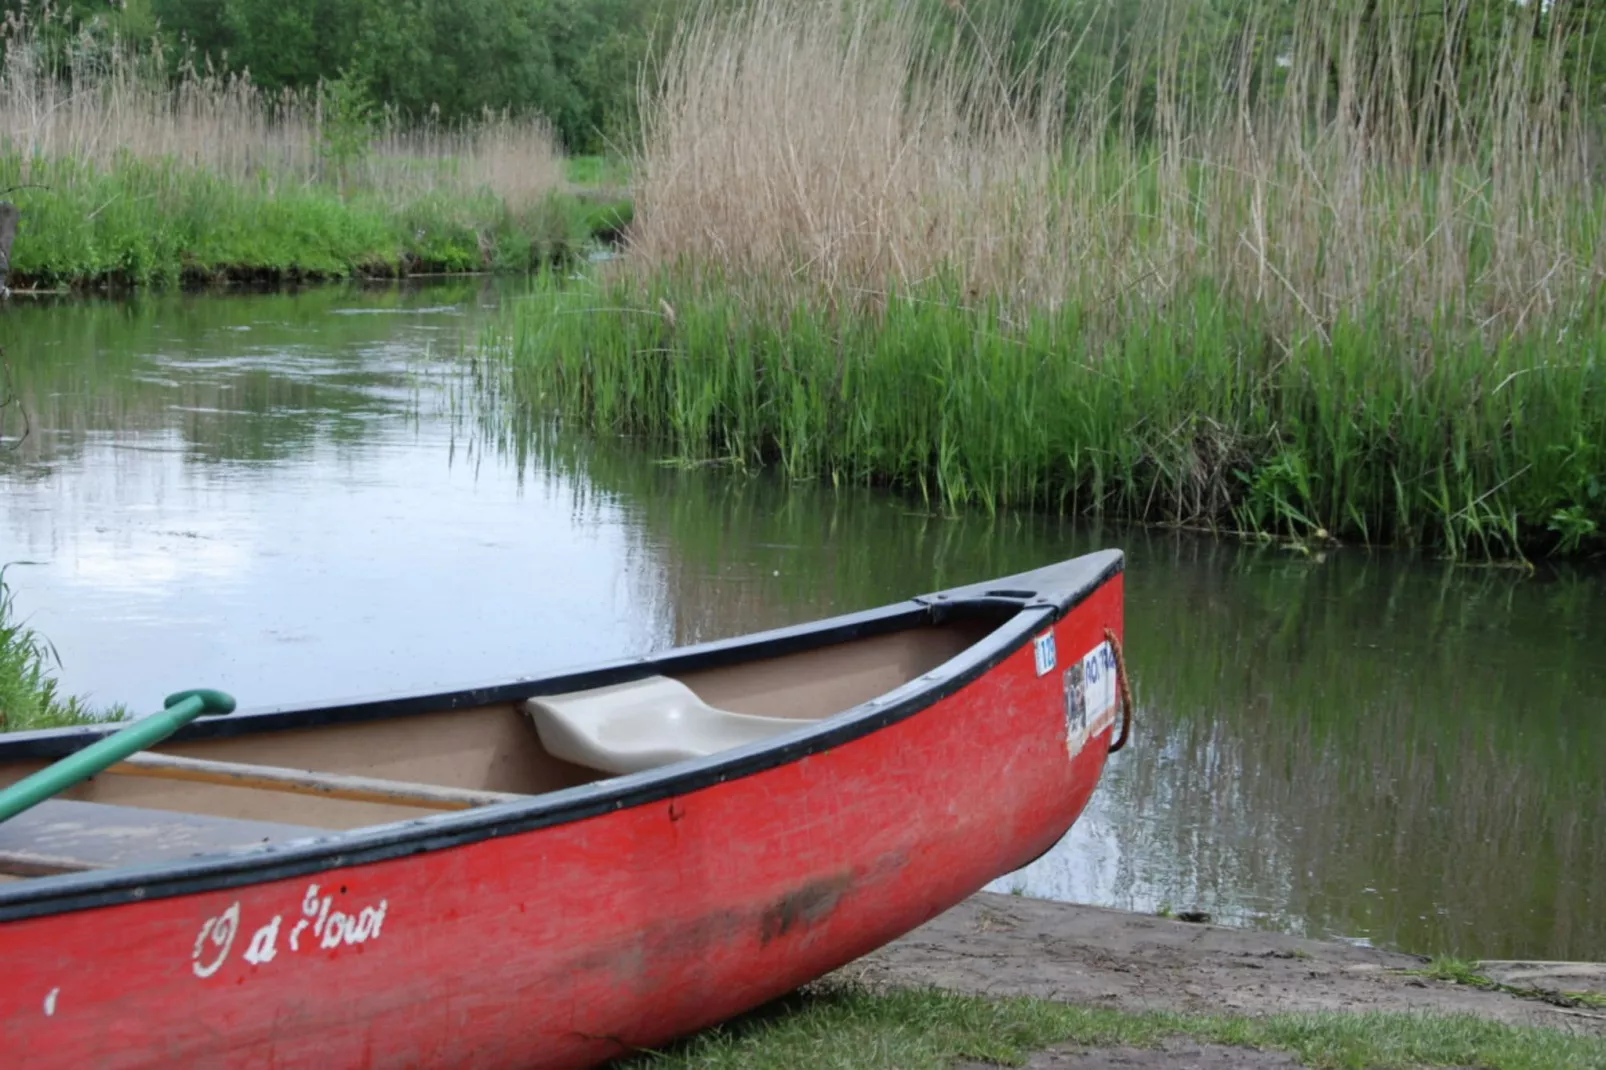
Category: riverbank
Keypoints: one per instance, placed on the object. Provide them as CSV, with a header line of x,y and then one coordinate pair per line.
x,y
1269,316
127,172
1012,981
1191,416
141,223
1012,946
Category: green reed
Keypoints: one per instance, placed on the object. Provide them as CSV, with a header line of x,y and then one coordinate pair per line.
x,y
30,695
1193,414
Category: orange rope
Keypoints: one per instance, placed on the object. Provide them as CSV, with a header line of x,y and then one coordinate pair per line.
x,y
1127,705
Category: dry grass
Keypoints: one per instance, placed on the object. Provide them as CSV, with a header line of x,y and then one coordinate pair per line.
x,y
794,139
819,143
107,101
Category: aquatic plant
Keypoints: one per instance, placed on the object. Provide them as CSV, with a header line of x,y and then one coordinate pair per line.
x,y
30,696
1189,415
1317,301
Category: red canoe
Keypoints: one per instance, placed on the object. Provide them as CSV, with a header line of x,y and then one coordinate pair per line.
x,y
551,872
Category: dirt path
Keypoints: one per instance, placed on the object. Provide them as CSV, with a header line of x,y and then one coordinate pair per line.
x,y
1001,945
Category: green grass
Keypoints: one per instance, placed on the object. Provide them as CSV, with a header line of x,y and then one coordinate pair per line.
x,y
29,694
606,172
1189,414
140,222
601,191
1460,972
921,1029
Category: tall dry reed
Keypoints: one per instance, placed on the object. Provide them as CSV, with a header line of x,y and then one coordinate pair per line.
x,y
821,143
96,101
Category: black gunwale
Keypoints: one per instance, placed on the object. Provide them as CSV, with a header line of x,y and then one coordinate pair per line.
x,y
1039,597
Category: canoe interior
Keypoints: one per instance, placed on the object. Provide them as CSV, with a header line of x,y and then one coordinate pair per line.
x,y
450,753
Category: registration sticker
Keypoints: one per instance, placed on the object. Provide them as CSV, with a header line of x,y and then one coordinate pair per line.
x,y
1043,650
1089,697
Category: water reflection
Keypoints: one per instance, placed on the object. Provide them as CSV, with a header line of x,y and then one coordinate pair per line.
x,y
296,497
273,511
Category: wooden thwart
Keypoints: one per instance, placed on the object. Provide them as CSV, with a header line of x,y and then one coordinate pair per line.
x,y
307,782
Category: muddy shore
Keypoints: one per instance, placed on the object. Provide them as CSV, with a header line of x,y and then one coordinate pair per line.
x,y
998,945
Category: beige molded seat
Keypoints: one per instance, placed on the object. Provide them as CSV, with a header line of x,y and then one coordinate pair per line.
x,y
644,724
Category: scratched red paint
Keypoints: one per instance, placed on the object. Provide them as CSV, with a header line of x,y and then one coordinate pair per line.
x,y
553,948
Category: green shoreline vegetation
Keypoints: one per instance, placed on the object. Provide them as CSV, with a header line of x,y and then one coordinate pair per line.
x,y
1296,270
135,164
29,693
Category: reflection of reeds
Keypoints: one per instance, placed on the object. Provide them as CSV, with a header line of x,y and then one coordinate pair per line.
x,y
1373,749
100,368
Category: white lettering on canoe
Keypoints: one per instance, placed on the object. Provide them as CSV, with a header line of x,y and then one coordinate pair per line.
x,y
50,1002
219,932
264,943
334,930
330,929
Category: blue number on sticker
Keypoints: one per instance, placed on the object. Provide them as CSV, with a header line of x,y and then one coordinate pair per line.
x,y
1044,649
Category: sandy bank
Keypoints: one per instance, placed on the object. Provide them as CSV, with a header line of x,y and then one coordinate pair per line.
x,y
997,945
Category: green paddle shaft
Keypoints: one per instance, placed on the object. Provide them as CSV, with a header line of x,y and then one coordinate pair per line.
x,y
180,709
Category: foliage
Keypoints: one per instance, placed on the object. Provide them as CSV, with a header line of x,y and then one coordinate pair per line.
x,y
1190,414
29,695
124,175
1300,314
164,223
572,61
347,123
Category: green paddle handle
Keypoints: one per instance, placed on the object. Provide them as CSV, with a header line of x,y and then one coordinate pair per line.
x,y
180,709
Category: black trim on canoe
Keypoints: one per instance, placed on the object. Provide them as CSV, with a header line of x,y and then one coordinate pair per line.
x,y
1040,597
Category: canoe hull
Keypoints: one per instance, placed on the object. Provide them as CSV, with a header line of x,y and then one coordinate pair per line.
x,y
568,945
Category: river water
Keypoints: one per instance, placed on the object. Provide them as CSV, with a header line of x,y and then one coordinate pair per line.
x,y
293,496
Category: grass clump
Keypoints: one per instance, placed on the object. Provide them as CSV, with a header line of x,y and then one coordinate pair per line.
x,y
1460,972
29,695
1281,302
920,1029
1188,414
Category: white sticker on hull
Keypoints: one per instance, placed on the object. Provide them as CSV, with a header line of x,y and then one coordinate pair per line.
x,y
1090,696
329,929
1044,652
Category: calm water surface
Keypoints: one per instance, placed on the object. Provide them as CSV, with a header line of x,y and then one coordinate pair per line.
x,y
287,496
